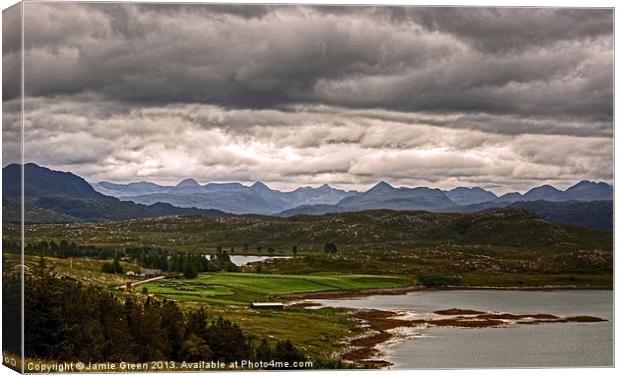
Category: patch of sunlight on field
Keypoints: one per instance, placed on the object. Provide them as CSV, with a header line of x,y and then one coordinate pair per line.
x,y
235,287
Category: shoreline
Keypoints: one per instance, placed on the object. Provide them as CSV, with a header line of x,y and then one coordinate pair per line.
x,y
380,326
341,294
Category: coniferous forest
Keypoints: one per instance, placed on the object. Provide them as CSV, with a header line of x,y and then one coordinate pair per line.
x,y
132,329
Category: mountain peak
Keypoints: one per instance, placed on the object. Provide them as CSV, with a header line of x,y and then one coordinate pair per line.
x,y
188,182
470,195
510,197
322,188
461,188
44,182
464,189
589,190
259,186
382,186
584,184
545,189
543,192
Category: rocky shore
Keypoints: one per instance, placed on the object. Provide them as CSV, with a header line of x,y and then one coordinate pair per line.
x,y
381,327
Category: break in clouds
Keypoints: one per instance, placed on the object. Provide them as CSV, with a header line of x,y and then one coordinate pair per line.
x,y
295,95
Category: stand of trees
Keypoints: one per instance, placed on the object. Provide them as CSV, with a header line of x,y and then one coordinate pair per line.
x,y
437,280
66,249
149,257
113,267
67,321
187,264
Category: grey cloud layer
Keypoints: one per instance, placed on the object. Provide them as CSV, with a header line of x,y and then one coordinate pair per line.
x,y
346,95
348,148
503,61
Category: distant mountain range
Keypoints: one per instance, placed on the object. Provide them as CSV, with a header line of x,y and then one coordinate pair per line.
x,y
61,197
229,197
551,203
54,196
587,203
260,199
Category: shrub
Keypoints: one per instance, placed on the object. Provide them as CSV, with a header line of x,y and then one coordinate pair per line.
x,y
437,280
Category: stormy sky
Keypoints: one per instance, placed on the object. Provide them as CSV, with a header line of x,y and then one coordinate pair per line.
x,y
504,99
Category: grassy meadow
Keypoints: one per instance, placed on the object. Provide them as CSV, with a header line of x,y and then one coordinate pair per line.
x,y
242,288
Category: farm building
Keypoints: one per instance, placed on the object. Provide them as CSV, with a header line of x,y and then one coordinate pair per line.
x,y
149,272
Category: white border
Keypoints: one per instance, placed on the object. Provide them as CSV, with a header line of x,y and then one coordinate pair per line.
x,y
508,3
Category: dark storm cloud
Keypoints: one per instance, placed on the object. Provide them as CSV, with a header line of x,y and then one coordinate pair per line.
x,y
305,95
11,47
410,59
510,30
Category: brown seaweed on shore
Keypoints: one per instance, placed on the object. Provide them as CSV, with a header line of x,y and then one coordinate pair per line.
x,y
466,323
506,316
364,348
305,304
585,319
335,294
458,312
380,322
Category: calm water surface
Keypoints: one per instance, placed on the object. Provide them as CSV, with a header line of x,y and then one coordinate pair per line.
x,y
543,345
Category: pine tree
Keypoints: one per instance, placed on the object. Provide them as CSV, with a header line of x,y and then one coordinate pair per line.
x,y
264,352
286,352
189,270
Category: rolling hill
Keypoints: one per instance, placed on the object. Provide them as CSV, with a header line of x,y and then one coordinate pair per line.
x,y
595,215
61,197
509,228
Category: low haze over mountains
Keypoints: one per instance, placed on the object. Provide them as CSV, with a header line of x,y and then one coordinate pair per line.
x,y
53,196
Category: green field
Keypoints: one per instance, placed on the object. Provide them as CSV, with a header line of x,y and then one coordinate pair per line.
x,y
240,288
317,332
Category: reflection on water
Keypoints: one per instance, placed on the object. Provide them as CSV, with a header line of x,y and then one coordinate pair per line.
x,y
561,344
